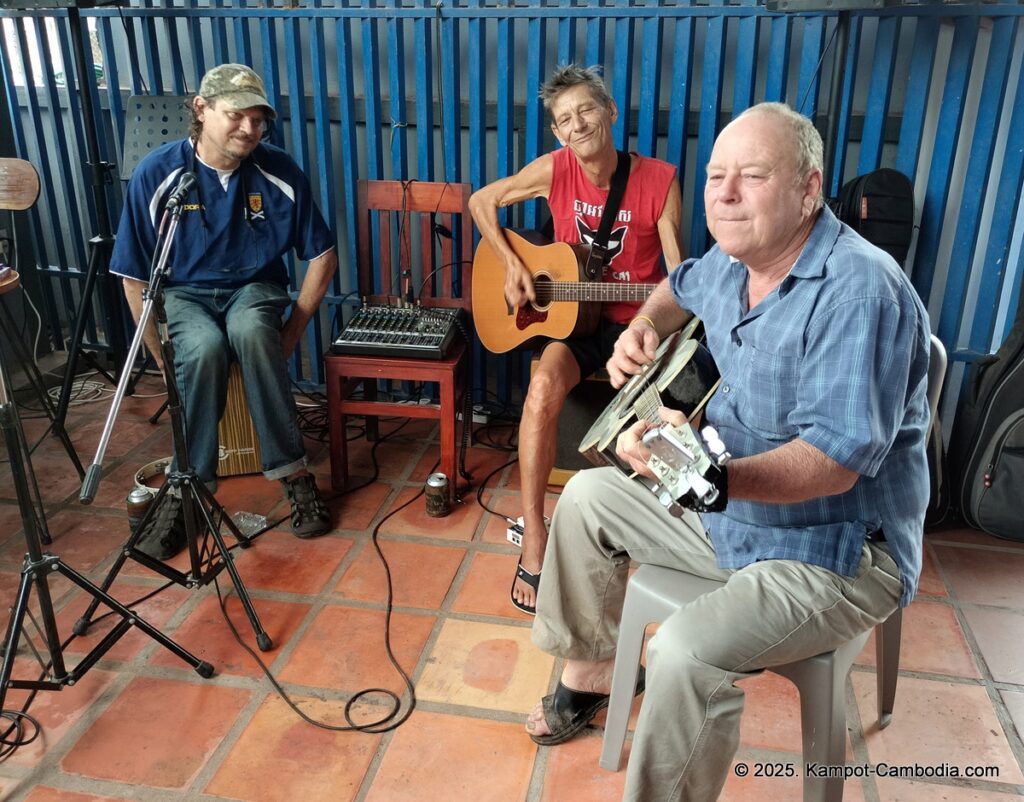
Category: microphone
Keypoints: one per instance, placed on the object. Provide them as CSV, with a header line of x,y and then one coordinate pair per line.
x,y
185,186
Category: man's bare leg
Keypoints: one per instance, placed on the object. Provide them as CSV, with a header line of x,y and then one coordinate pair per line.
x,y
550,384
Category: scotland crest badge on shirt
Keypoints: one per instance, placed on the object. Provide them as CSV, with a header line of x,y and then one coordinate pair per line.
x,y
256,205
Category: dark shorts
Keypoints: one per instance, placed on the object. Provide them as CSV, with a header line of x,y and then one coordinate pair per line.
x,y
593,351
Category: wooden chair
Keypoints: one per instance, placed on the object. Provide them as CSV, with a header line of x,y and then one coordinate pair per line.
x,y
390,213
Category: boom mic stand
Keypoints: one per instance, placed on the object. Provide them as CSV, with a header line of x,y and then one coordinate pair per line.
x,y
204,516
37,569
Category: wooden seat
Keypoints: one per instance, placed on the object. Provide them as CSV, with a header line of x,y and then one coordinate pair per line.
x,y
430,224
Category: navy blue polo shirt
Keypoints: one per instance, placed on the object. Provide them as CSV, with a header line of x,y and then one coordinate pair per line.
x,y
226,237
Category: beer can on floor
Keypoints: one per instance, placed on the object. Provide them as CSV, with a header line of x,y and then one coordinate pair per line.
x,y
138,502
436,489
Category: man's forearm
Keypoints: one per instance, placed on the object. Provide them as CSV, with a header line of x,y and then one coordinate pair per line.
x,y
789,474
133,289
314,287
662,311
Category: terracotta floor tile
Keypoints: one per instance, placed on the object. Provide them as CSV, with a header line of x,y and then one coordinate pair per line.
x,y
280,561
1000,638
931,640
936,723
771,714
156,610
208,637
1014,702
343,648
10,527
461,524
507,506
421,574
56,478
930,583
56,711
250,493
42,793
393,455
893,790
356,510
983,576
573,773
492,666
10,581
81,539
124,437
279,757
434,756
486,588
157,732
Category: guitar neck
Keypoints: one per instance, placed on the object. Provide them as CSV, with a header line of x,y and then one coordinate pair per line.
x,y
596,291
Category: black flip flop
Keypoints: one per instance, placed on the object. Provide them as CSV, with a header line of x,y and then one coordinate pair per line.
x,y
566,711
533,580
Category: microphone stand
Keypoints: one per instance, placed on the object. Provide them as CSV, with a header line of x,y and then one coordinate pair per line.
x,y
36,571
204,515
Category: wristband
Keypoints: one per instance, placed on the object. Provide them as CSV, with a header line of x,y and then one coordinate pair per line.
x,y
722,483
644,317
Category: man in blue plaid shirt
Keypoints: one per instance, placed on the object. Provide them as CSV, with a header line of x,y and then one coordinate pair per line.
x,y
822,345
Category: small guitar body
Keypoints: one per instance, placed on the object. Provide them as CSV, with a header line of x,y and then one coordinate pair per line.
x,y
567,305
688,465
683,376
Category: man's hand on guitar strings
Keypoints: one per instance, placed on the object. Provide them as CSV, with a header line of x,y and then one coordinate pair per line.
x,y
630,449
634,350
519,289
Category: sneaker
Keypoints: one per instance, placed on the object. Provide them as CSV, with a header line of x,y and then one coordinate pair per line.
x,y
165,535
310,517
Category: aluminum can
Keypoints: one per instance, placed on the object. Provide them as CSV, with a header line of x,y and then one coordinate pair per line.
x,y
436,490
138,502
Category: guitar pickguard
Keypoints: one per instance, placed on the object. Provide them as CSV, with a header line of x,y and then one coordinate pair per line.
x,y
529,315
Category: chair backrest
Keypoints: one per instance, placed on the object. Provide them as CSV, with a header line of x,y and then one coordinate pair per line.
x,y
418,232
19,185
936,376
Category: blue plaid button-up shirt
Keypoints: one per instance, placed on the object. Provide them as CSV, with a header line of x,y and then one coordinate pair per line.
x,y
836,355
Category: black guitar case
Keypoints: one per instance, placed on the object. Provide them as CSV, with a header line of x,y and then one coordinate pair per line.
x,y
986,449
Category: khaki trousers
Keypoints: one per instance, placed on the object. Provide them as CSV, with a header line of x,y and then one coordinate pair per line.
x,y
768,613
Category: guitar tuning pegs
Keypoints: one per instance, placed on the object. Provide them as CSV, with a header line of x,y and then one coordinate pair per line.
x,y
714,444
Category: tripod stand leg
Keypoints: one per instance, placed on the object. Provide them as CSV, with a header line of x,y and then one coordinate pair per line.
x,y
35,378
129,618
206,502
81,626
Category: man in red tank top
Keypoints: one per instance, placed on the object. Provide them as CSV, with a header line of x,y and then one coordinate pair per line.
x,y
576,180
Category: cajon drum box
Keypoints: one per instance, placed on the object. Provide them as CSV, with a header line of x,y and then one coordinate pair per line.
x,y
239,445
587,400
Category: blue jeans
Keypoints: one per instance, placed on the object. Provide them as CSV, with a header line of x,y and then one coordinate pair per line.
x,y
209,327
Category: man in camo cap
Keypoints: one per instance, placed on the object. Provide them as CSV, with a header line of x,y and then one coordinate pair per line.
x,y
227,293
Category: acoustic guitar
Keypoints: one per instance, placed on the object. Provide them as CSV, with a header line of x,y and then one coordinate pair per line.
x,y
682,376
567,304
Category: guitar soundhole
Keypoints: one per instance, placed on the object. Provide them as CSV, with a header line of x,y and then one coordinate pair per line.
x,y
542,288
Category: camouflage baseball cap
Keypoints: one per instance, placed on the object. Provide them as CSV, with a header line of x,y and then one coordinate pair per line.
x,y
237,86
